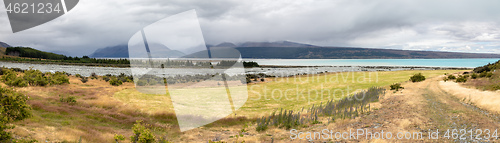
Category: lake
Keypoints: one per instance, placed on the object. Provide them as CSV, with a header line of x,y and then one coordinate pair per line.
x,y
466,63
330,65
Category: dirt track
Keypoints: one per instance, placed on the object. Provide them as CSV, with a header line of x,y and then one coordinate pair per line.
x,y
425,106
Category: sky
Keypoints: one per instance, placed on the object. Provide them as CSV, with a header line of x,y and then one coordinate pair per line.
x,y
433,25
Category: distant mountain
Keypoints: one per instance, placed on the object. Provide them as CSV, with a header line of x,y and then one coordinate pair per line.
x,y
274,44
292,50
121,51
5,45
226,44
3,48
349,53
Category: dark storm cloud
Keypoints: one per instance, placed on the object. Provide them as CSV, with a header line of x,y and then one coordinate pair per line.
x,y
450,25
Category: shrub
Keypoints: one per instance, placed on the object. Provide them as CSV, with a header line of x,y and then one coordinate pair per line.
x,y
93,76
152,82
69,99
142,82
396,86
1,70
461,79
417,78
489,74
35,78
124,78
10,78
106,78
486,74
119,138
19,82
452,77
13,108
141,134
17,69
78,75
115,82
474,76
466,76
59,78
84,79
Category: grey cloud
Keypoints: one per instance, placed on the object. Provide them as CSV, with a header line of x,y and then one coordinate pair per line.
x,y
397,24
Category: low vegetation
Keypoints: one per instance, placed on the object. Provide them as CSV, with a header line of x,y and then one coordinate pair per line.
x,y
13,108
38,55
396,86
417,78
349,107
30,55
485,77
33,77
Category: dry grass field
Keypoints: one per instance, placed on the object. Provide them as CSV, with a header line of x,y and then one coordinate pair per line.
x,y
102,110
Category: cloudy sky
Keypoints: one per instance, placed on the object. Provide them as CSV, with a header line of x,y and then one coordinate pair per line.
x,y
437,25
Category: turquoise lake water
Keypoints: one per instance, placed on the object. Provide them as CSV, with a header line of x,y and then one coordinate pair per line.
x,y
468,63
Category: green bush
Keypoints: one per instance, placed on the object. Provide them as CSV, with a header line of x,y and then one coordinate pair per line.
x,y
78,75
115,82
141,134
396,86
142,82
152,82
474,76
461,79
466,76
119,138
35,78
452,77
84,79
93,76
13,108
489,74
69,99
106,78
417,78
10,78
59,78
486,74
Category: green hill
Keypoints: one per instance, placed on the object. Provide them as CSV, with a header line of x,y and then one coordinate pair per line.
x,y
32,53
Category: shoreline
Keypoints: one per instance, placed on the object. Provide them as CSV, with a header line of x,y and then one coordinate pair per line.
x,y
368,67
261,66
281,71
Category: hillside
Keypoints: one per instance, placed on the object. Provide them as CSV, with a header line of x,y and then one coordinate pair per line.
x,y
32,53
120,51
3,48
350,53
291,50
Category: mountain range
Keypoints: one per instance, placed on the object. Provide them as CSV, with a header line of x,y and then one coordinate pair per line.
x,y
293,50
3,48
285,50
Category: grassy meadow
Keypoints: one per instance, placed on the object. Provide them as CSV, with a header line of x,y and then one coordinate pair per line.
x,y
101,110
288,93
